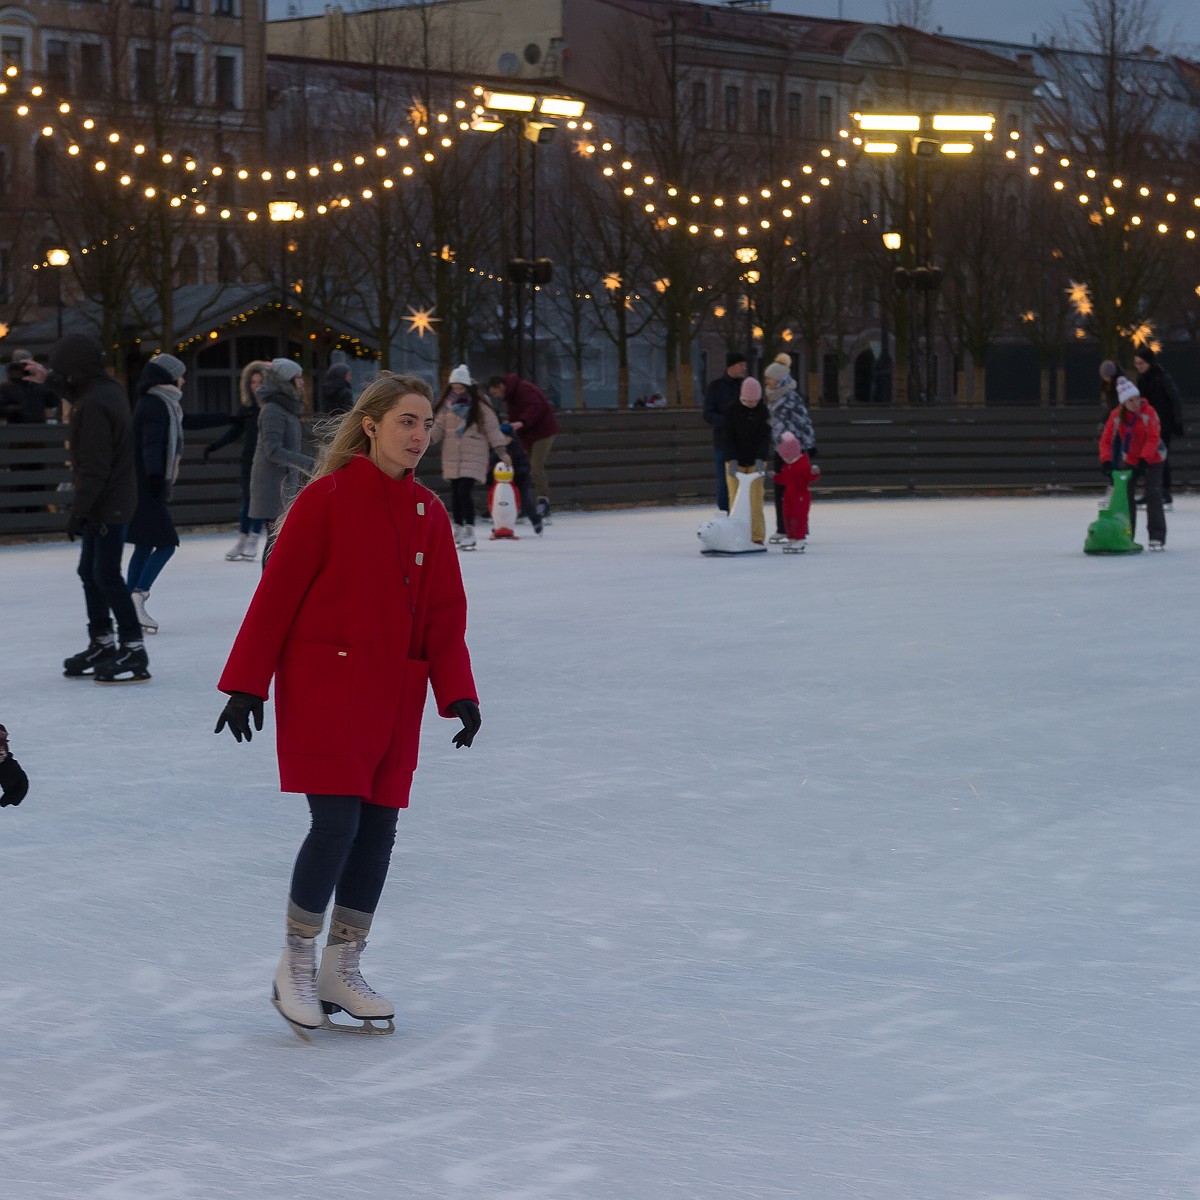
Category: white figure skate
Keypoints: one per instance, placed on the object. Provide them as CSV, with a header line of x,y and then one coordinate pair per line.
x,y
295,990
341,988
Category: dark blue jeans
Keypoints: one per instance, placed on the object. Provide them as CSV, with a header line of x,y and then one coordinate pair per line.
x,y
104,590
245,523
145,564
346,854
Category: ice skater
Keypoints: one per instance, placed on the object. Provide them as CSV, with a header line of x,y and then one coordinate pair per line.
x,y
793,479
359,610
468,428
747,436
1132,439
788,414
244,427
14,783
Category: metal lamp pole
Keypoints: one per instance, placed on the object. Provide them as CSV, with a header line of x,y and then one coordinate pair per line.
x,y
283,210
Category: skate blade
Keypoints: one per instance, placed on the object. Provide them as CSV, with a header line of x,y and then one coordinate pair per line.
x,y
133,679
368,1026
303,1032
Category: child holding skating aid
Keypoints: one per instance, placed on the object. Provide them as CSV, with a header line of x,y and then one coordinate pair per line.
x,y
795,477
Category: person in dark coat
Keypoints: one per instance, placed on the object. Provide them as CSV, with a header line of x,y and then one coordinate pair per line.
x,y
360,610
1158,388
22,401
14,783
722,393
337,396
158,427
532,418
105,486
747,438
245,426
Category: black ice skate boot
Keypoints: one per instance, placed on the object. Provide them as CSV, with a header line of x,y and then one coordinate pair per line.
x,y
83,665
129,665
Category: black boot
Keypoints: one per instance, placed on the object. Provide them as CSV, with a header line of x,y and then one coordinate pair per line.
x,y
128,665
99,650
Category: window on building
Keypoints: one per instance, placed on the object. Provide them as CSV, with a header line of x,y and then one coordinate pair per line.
x,y
225,8
5,274
227,261
794,115
825,118
700,105
58,64
187,267
185,5
3,168
44,174
733,106
762,111
226,190
143,75
225,81
185,77
12,51
92,76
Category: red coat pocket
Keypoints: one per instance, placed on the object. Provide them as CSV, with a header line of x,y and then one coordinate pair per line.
x,y
312,698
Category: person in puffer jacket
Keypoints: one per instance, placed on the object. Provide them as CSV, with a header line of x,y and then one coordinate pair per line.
x,y
789,414
1132,439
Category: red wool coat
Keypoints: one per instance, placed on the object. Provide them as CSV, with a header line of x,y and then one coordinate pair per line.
x,y
361,607
1139,433
795,479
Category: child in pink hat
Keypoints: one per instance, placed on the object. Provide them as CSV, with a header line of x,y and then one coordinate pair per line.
x,y
797,474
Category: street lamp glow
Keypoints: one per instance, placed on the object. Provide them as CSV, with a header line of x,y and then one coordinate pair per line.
x,y
486,125
957,147
58,257
282,210
509,101
561,106
880,147
890,123
746,254
962,123
892,240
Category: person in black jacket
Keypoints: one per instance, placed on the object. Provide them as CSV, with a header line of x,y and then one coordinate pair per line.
x,y
105,487
22,401
1159,389
245,426
747,441
722,394
337,396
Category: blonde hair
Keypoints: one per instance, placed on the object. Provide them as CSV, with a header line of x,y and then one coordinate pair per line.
x,y
343,436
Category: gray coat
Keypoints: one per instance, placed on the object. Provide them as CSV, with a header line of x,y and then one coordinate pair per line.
x,y
279,467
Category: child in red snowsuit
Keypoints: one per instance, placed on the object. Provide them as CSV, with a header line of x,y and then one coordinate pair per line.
x,y
797,473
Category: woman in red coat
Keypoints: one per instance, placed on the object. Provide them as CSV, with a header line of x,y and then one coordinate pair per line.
x,y
360,608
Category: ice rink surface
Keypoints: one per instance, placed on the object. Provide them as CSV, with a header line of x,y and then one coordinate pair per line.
x,y
868,873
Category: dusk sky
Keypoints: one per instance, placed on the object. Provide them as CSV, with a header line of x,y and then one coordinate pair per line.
x,y
1011,20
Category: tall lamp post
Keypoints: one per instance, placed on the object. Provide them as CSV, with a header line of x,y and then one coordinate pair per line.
x,y
747,256
892,241
58,258
924,139
523,116
283,210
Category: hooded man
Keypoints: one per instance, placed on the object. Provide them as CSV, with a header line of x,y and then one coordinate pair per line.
x,y
105,485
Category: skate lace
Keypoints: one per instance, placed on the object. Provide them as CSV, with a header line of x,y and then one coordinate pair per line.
x,y
349,973
302,963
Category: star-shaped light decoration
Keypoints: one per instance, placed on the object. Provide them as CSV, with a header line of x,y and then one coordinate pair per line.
x,y
612,281
421,321
1081,298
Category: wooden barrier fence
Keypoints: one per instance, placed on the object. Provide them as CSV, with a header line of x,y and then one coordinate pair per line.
x,y
665,457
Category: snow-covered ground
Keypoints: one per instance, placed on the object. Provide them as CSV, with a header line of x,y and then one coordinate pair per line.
x,y
870,873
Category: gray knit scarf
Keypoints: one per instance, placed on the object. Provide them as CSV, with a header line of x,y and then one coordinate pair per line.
x,y
171,397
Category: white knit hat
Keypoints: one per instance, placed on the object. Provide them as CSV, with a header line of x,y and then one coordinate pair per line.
x,y
286,368
779,370
1127,391
460,374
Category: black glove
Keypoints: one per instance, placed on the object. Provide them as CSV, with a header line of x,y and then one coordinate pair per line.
x,y
467,711
156,485
237,713
1106,469
76,527
812,452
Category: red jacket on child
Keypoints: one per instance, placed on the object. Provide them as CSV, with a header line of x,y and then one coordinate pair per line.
x,y
1138,433
795,478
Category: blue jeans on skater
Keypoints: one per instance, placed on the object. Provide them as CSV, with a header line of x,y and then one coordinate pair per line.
x,y
145,564
722,482
246,524
346,854
104,590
